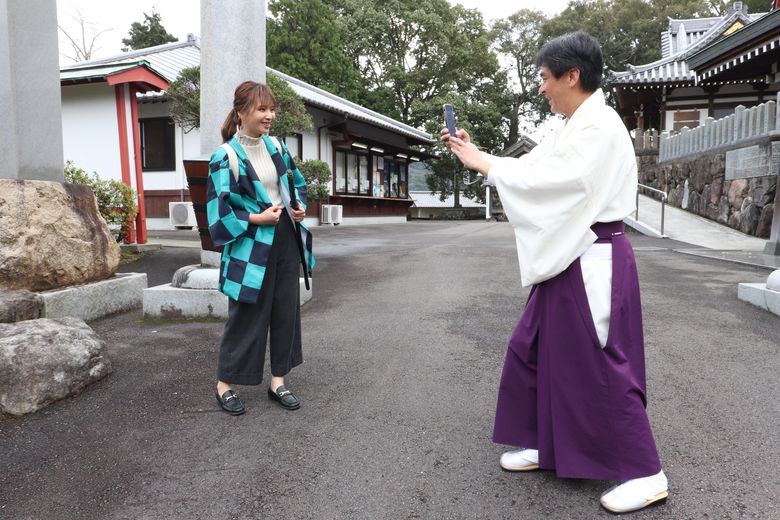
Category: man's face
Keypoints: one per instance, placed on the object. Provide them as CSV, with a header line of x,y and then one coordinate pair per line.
x,y
555,90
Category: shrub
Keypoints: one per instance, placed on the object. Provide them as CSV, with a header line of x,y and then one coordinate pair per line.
x,y
115,200
318,178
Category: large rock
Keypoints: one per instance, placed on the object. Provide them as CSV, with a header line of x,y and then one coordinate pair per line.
x,y
52,235
764,228
45,360
19,306
750,217
738,190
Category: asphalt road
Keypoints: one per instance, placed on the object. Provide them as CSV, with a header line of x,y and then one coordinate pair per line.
x,y
403,345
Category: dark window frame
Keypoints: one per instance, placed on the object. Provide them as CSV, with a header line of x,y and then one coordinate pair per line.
x,y
170,162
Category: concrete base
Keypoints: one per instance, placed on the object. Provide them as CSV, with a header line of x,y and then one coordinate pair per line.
x,y
772,248
168,302
760,296
364,221
121,292
643,228
140,248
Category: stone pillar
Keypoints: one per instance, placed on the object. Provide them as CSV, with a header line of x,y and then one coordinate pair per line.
x,y
772,246
30,104
232,50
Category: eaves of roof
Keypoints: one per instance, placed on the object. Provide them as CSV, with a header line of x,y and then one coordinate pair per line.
x,y
674,68
169,60
768,25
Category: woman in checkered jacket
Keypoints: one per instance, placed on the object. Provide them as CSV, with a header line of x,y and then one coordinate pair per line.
x,y
250,213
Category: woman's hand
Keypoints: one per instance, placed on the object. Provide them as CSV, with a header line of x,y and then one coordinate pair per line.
x,y
269,216
298,214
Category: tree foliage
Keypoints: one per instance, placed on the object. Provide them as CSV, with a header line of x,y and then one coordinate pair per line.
x,y
518,39
305,40
148,33
318,177
184,99
291,114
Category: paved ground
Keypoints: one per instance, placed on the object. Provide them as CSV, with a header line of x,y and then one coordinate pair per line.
x,y
404,341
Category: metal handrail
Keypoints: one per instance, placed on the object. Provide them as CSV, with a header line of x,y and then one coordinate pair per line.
x,y
663,195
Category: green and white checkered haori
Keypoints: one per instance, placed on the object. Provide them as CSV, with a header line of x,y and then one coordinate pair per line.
x,y
228,206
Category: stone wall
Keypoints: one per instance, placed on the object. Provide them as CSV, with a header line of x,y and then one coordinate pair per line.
x,y
699,185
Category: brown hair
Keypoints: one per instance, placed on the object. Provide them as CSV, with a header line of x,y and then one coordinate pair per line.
x,y
249,94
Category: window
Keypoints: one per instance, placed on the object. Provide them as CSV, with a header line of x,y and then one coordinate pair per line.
x,y
370,175
341,177
689,118
158,151
294,144
352,173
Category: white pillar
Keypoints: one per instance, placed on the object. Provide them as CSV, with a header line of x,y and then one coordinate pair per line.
x,y
30,104
487,202
232,50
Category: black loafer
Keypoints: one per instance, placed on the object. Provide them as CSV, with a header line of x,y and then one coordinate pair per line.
x,y
284,397
231,403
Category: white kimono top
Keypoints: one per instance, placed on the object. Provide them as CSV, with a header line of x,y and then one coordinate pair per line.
x,y
584,173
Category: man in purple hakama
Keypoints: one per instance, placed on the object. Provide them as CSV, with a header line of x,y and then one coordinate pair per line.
x,y
572,394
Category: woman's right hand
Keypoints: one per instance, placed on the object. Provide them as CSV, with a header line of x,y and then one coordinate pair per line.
x,y
459,133
268,217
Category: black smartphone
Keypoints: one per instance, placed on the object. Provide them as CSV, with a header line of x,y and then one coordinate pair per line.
x,y
449,119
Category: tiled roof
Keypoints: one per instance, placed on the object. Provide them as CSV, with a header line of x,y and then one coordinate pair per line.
x,y
676,46
426,199
171,58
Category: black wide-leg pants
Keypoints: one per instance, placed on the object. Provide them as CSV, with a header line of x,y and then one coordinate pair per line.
x,y
276,314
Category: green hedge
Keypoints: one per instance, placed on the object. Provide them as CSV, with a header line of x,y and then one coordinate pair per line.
x,y
115,200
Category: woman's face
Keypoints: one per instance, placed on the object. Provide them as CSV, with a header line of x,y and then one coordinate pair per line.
x,y
257,121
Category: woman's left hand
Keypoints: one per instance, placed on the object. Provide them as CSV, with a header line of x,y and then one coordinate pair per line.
x,y
298,214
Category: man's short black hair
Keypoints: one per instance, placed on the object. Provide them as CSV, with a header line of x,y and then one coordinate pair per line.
x,y
577,50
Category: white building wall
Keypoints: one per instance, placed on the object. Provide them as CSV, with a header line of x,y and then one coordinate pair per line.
x,y
89,129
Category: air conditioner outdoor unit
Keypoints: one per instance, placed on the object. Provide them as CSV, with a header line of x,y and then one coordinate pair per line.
x,y
330,214
181,214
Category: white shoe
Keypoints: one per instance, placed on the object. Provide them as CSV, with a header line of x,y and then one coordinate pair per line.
x,y
520,460
636,494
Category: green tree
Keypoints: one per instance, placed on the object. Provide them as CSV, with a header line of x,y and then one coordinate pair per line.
x,y
184,98
411,52
318,177
148,33
517,38
291,114
305,40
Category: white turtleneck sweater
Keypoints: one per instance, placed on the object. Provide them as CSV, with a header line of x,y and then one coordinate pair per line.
x,y
261,161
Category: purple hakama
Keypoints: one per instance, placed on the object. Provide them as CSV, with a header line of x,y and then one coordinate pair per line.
x,y
581,406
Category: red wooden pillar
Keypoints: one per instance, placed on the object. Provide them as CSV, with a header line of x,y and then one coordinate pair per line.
x,y
140,219
124,159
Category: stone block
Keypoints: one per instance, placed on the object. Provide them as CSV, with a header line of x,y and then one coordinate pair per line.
x,y
738,190
757,294
19,306
764,227
51,236
176,303
753,161
724,211
749,221
44,360
715,189
122,292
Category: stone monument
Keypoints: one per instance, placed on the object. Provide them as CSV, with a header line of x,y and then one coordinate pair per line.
x,y
51,234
